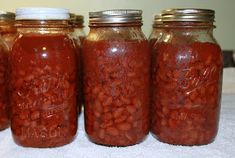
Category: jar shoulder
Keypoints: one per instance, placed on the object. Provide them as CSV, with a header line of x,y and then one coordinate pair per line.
x,y
182,37
116,33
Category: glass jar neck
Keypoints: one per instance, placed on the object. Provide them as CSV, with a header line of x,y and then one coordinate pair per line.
x,y
7,26
42,26
116,33
131,24
157,26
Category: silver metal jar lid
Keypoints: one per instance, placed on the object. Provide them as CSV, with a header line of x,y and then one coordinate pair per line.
x,y
7,15
188,14
116,16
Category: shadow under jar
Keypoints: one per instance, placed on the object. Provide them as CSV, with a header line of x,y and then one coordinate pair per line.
x,y
43,79
187,76
116,66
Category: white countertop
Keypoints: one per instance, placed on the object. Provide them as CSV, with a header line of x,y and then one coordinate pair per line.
x,y
81,147
222,147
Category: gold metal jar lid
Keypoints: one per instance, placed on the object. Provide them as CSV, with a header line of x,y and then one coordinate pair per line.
x,y
188,14
76,19
7,15
116,16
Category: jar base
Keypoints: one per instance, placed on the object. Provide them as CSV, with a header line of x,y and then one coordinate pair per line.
x,y
182,144
115,145
4,127
52,144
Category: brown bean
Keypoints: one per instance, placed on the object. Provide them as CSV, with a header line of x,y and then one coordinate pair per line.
x,y
112,131
35,115
124,126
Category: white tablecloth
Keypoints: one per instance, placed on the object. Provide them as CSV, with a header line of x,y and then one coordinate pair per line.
x,y
222,147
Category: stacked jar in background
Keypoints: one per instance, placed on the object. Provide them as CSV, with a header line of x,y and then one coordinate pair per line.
x,y
170,85
78,36
7,28
157,30
7,33
187,70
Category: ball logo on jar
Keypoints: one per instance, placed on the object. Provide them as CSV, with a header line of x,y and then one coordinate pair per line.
x,y
197,77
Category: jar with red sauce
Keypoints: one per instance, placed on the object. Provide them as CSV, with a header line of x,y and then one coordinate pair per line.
x,y
116,67
187,76
7,28
43,79
78,35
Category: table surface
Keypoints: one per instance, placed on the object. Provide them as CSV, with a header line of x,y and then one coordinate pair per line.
x,y
81,147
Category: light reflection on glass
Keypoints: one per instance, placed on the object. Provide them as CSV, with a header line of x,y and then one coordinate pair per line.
x,y
44,54
167,38
114,50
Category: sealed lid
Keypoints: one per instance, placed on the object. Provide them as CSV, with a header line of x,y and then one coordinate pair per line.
x,y
76,19
188,14
7,15
116,16
42,14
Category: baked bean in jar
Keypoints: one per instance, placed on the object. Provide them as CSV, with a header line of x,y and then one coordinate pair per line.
x,y
43,79
116,64
187,73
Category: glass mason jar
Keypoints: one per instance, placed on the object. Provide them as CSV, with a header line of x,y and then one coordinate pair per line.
x,y
187,76
7,28
78,35
116,66
43,79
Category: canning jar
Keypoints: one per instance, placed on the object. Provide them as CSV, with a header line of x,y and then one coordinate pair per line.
x,y
116,66
43,79
7,28
187,75
78,35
